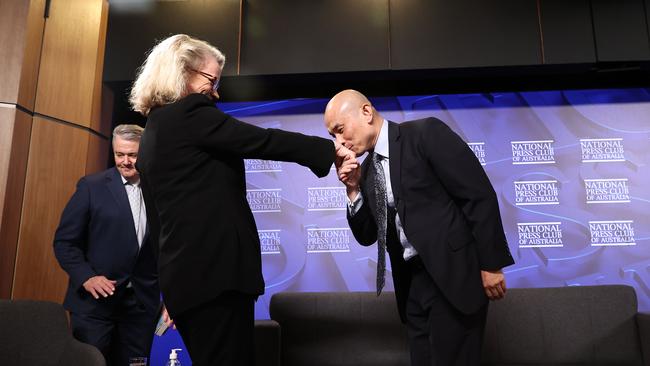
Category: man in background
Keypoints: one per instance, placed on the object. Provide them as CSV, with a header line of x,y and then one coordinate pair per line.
x,y
102,243
422,195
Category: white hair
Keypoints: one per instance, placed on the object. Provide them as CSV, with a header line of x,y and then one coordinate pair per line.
x,y
163,77
128,132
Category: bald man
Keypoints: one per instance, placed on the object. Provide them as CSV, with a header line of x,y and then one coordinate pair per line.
x,y
443,228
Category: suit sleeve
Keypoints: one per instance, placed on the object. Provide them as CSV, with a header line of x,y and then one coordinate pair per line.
x,y
221,133
362,224
70,238
464,179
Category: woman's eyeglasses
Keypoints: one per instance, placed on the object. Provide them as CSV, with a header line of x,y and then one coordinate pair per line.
x,y
213,79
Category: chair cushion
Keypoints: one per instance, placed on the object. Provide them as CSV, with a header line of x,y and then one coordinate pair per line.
x,y
590,325
37,333
34,332
353,328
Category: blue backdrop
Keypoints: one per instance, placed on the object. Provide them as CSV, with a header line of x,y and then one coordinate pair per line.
x,y
570,169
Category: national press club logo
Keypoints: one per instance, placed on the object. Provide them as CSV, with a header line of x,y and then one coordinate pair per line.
x,y
612,233
602,150
262,166
532,152
478,148
536,192
328,240
539,234
326,199
270,242
607,190
264,200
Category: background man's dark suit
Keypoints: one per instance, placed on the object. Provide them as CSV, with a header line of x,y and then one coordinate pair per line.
x,y
96,236
447,208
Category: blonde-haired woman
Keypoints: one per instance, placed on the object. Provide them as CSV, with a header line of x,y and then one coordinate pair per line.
x,y
192,170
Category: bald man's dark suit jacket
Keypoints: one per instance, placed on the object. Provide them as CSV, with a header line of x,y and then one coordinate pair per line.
x,y
447,207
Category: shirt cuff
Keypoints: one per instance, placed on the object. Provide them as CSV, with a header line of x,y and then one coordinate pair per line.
x,y
355,205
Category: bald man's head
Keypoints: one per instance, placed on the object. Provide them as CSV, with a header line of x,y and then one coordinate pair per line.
x,y
346,101
352,120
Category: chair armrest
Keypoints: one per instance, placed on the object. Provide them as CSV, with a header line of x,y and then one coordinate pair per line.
x,y
267,343
643,323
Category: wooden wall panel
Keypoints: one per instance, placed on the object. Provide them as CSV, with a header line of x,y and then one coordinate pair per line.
x,y
57,159
15,128
13,18
104,125
7,123
99,145
69,61
41,158
97,154
96,113
21,30
32,54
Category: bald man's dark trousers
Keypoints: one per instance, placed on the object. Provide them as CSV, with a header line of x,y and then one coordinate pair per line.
x,y
439,334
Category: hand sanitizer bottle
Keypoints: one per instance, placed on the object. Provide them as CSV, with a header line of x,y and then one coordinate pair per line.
x,y
173,358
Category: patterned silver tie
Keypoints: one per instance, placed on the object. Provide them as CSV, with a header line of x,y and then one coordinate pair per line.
x,y
381,201
137,210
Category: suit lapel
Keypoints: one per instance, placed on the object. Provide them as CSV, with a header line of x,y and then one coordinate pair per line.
x,y
116,187
368,176
395,156
368,171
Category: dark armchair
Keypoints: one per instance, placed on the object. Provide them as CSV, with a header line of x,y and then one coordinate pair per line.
x,y
37,333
